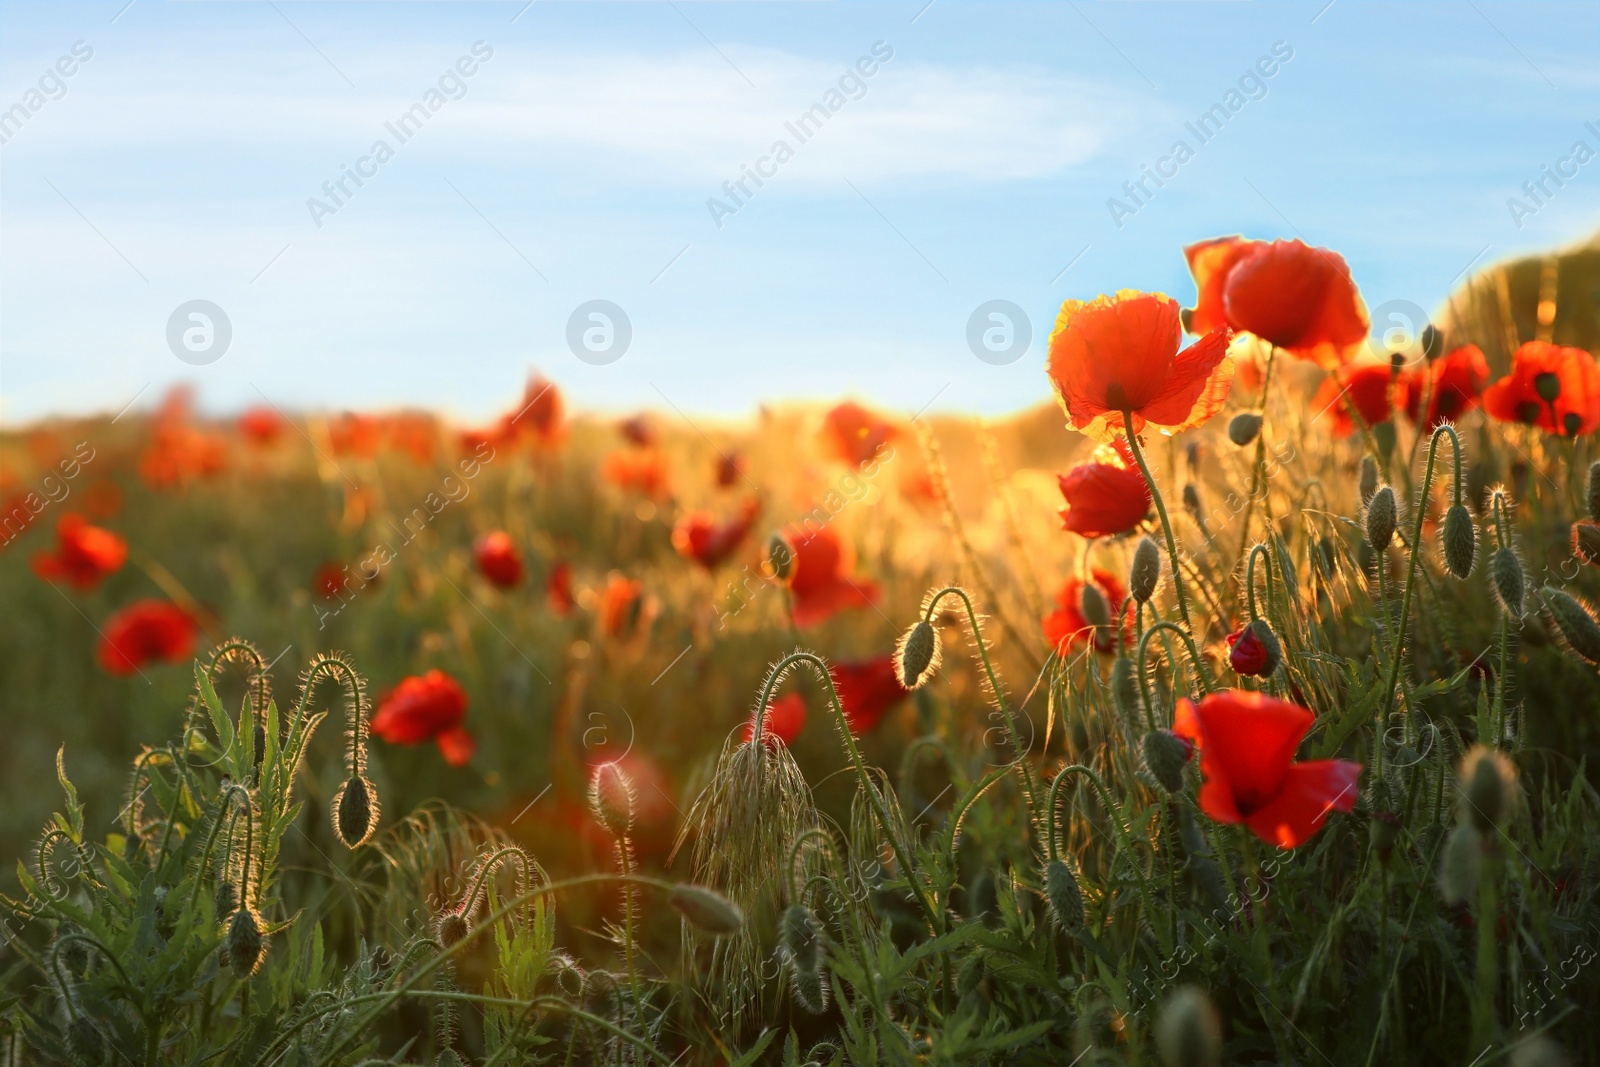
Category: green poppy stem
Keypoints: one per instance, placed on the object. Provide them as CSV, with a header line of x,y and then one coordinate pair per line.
x,y
1161,510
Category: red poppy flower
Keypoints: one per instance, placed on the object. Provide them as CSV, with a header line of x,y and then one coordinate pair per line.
x,y
352,434
1067,626
85,555
1298,298
497,559
820,583
1247,743
1553,387
638,431
333,579
261,426
853,435
426,707
180,453
1457,384
558,589
867,690
698,536
786,717
1116,354
621,604
144,632
538,417
1365,387
1105,496
638,470
730,468
1247,653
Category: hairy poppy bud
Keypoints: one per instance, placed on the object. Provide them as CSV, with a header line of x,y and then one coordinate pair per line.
x,y
1575,621
448,1058
800,938
780,554
244,943
1145,574
1165,756
1124,689
1092,603
355,812
611,799
810,991
1460,540
451,927
1066,899
1458,871
1382,514
1254,651
1189,1034
1243,427
1488,781
1369,479
1506,570
707,909
1586,541
917,657
1383,435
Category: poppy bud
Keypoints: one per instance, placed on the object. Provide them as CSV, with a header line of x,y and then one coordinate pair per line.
x,y
1189,1034
780,554
84,1040
1191,498
1165,756
451,927
1460,539
917,657
1243,427
227,898
1548,386
1488,780
611,799
1458,871
1093,605
1506,570
1124,690
244,943
800,938
448,1058
1369,479
810,991
707,909
1383,435
1066,899
1432,342
1575,621
1145,574
1594,490
354,817
1254,651
1586,541
1385,830
1382,513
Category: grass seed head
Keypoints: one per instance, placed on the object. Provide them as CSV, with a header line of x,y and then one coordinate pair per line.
x,y
1189,1033
1145,574
1383,511
1576,622
1460,539
707,909
918,654
1243,427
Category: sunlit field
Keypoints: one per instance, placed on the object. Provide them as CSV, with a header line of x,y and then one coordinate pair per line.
x,y
1236,707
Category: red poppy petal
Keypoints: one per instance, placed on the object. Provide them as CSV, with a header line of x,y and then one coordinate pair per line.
x,y
1298,298
1248,739
457,746
1210,262
820,604
1310,790
1197,385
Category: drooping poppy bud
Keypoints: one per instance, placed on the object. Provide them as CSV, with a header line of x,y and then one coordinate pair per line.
x,y
1586,541
244,943
1145,574
354,812
451,928
1254,651
780,555
1382,513
1460,540
707,909
1243,427
917,656
1383,435
1065,898
1575,621
1165,756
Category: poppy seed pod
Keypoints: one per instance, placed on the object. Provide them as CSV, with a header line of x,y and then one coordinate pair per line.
x,y
1092,603
1460,539
1165,756
780,556
917,657
1487,781
1506,570
244,943
1586,541
1243,427
1189,1033
354,815
1382,513
611,799
707,909
800,937
1593,495
1369,479
1145,574
1066,899
1458,871
1575,621
451,927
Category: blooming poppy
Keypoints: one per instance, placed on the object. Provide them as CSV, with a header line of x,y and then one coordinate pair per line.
x,y
1295,297
497,559
621,604
638,470
1070,625
867,690
698,536
786,717
85,555
1457,382
146,631
1105,496
1364,387
426,707
261,426
1248,654
1117,354
1247,742
853,435
179,453
558,588
820,582
353,434
1553,387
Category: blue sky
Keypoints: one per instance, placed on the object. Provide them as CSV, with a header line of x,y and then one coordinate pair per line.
x,y
576,162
